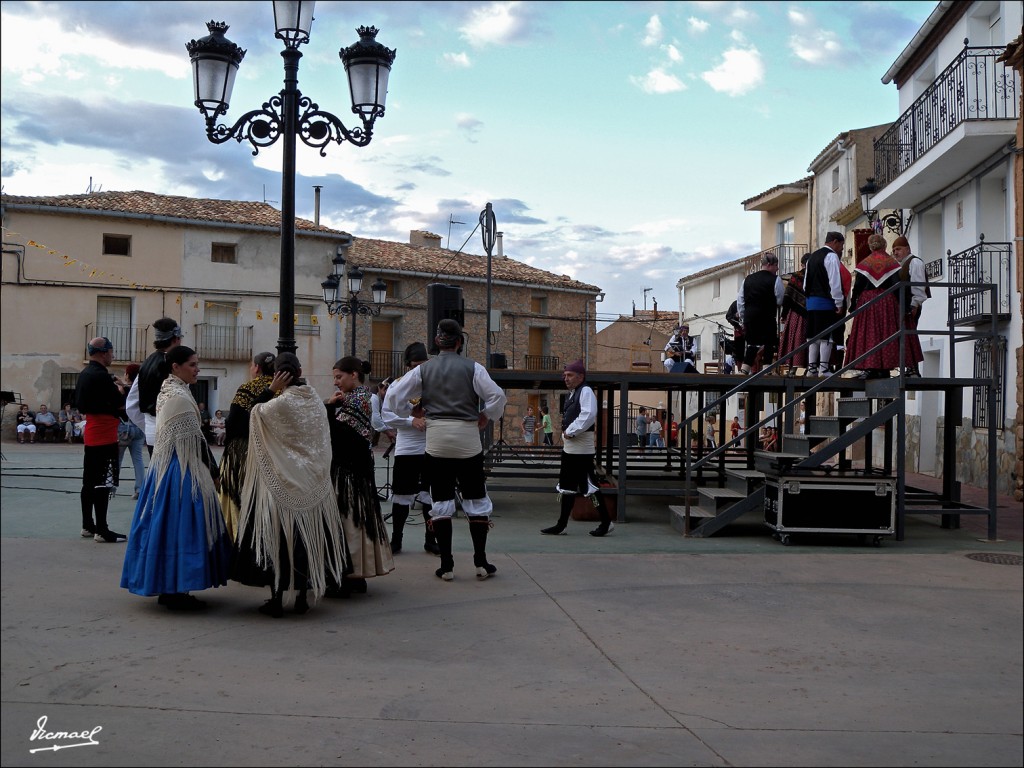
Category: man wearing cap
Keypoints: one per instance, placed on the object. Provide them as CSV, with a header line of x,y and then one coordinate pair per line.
x,y
141,404
576,473
450,388
912,270
757,305
823,287
100,399
411,483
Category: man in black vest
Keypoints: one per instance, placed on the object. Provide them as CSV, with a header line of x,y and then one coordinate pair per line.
x,y
757,304
823,287
450,388
141,404
576,474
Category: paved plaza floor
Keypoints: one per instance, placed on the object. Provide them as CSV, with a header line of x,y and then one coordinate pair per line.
x,y
641,648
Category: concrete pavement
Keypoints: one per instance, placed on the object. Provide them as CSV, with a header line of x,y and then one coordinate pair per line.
x,y
643,648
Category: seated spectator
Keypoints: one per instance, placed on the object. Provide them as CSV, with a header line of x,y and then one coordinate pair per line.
x,y
218,425
26,421
70,421
46,424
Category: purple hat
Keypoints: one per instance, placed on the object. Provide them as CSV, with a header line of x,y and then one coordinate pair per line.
x,y
576,366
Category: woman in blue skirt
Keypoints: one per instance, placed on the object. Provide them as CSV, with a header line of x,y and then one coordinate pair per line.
x,y
177,542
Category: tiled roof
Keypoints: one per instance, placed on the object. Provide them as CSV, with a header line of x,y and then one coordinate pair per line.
x,y
381,255
389,255
778,187
169,206
717,268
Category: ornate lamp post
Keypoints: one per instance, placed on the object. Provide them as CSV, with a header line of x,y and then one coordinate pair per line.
x,y
893,221
352,306
215,61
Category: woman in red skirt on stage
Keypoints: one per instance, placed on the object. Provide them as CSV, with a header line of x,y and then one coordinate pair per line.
x,y
794,318
873,275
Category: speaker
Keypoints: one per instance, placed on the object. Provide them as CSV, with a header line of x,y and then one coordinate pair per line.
x,y
443,301
498,360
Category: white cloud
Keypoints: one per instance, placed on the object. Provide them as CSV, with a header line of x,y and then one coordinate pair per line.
x,y
798,18
674,54
815,48
697,25
738,37
457,59
658,81
740,71
653,30
468,125
495,24
741,16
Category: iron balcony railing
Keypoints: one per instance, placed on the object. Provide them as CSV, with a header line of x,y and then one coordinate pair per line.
x,y
788,255
223,342
973,87
979,265
540,362
386,364
129,340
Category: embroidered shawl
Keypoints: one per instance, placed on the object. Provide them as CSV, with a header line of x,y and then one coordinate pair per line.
x,y
878,267
178,435
288,490
355,410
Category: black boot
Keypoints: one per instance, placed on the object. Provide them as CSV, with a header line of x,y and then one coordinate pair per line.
x,y
606,526
273,606
478,527
568,501
399,514
443,533
429,542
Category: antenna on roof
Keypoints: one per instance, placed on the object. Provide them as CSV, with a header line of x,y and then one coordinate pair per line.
x,y
265,195
450,222
646,291
91,189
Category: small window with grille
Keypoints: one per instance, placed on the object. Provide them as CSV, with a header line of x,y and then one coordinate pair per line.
x,y
117,245
223,253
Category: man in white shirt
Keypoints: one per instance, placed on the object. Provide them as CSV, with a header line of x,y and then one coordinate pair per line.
x,y
911,269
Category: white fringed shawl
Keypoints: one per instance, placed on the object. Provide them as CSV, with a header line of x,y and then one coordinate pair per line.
x,y
288,487
178,434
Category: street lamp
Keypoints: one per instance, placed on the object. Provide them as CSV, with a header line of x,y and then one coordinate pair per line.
x,y
352,306
215,61
488,233
892,220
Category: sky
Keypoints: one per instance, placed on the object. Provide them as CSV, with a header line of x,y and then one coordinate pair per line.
x,y
615,141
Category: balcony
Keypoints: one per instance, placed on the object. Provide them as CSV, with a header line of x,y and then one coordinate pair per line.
x,y
385,364
979,265
223,342
968,114
788,254
540,362
129,340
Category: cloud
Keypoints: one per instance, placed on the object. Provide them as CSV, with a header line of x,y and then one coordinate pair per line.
x,y
468,126
798,18
817,47
674,54
696,25
740,71
658,81
496,24
653,31
457,59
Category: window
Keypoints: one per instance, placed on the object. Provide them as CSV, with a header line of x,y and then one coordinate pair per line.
x,y
987,365
223,253
392,291
835,179
716,288
304,321
68,384
117,245
114,320
786,231
539,305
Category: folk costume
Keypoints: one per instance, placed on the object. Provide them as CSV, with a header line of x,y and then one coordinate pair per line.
x,y
825,300
355,485
177,540
290,534
873,275
912,271
794,321
236,448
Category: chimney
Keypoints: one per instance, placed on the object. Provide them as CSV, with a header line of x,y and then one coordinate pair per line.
x,y
655,309
501,247
316,204
424,239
